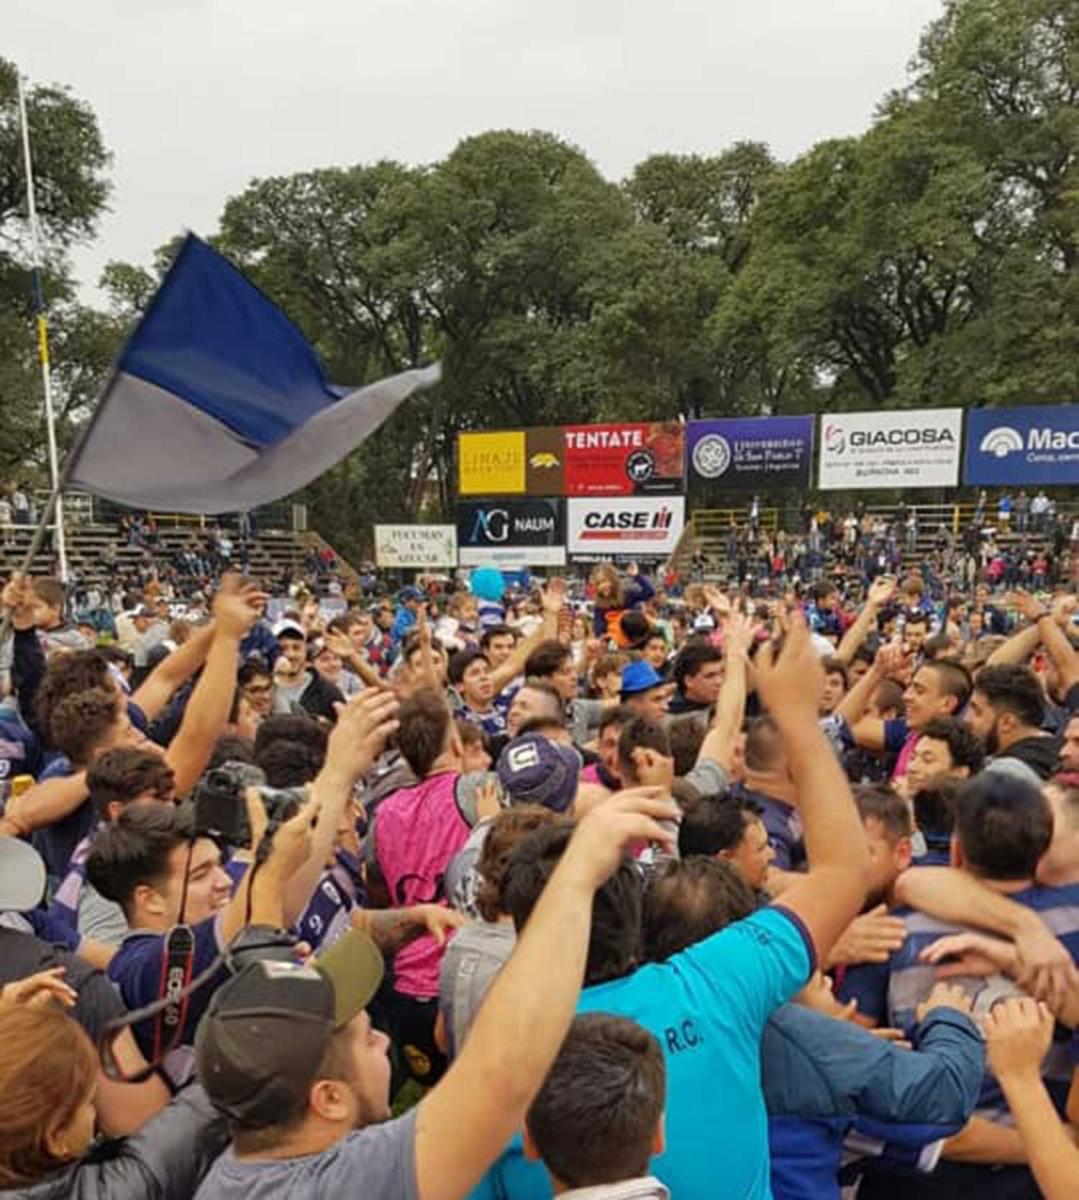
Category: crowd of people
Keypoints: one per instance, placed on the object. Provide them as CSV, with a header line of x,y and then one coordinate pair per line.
x,y
1020,541
592,889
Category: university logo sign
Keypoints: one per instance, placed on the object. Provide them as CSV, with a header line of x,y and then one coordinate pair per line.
x,y
752,452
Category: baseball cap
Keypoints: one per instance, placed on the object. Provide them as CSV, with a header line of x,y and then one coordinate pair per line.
x,y
409,593
22,876
315,647
640,677
260,1044
534,770
289,629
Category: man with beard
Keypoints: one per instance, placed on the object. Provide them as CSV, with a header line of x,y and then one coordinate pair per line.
x,y
1006,712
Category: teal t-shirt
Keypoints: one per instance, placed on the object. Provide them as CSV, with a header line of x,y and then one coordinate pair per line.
x,y
707,1007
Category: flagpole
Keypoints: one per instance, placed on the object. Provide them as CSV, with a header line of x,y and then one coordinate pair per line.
x,y
55,499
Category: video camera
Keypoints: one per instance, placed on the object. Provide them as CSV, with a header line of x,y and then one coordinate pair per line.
x,y
220,805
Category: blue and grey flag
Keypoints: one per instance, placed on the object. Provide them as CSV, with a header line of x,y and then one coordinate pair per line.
x,y
219,404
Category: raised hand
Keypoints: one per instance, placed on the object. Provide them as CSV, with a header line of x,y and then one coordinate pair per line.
x,y
602,837
881,590
237,608
653,769
738,635
1028,605
19,602
791,682
554,596
363,726
340,643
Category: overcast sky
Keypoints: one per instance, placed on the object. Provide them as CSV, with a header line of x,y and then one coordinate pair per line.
x,y
197,97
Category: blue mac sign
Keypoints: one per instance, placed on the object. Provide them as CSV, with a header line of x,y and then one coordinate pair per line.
x,y
1038,445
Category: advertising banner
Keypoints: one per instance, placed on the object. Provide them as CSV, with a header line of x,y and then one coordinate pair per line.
x,y
415,547
638,527
752,452
511,533
624,460
907,448
491,464
1037,445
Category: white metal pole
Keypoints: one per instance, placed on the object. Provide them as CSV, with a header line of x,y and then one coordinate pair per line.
x,y
42,328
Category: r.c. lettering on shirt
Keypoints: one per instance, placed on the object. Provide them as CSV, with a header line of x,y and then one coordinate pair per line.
x,y
683,1036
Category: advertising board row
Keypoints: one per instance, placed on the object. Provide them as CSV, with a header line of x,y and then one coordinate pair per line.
x,y
906,448
537,532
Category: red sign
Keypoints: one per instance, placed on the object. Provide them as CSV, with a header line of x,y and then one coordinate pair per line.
x,y
624,460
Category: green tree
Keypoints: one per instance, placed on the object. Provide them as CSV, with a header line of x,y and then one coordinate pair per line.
x,y
70,166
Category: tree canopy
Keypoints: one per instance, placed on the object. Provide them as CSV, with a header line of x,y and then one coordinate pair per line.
x,y
931,260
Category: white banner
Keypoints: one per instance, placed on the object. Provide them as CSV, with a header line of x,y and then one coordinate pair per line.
x,y
627,527
415,547
513,557
907,448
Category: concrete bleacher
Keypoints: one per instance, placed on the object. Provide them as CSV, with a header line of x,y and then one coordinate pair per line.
x,y
271,552
706,532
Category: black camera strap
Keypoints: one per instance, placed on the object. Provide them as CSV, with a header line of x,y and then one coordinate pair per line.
x,y
176,967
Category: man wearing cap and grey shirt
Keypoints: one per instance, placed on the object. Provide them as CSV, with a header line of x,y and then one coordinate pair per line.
x,y
296,686
288,1053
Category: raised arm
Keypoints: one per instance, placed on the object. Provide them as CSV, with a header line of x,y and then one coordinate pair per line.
x,y
466,1120
207,712
358,738
869,732
1051,626
341,644
173,672
719,742
881,591
832,892
554,597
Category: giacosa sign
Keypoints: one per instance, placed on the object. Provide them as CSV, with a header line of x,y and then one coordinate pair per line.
x,y
905,448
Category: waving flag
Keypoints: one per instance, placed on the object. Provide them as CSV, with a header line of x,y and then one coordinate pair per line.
x,y
219,404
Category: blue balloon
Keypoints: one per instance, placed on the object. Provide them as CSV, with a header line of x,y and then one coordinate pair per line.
x,y
487,583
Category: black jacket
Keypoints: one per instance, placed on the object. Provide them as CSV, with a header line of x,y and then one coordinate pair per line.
x,y
165,1160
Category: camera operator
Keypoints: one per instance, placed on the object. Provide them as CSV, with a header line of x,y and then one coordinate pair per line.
x,y
153,863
